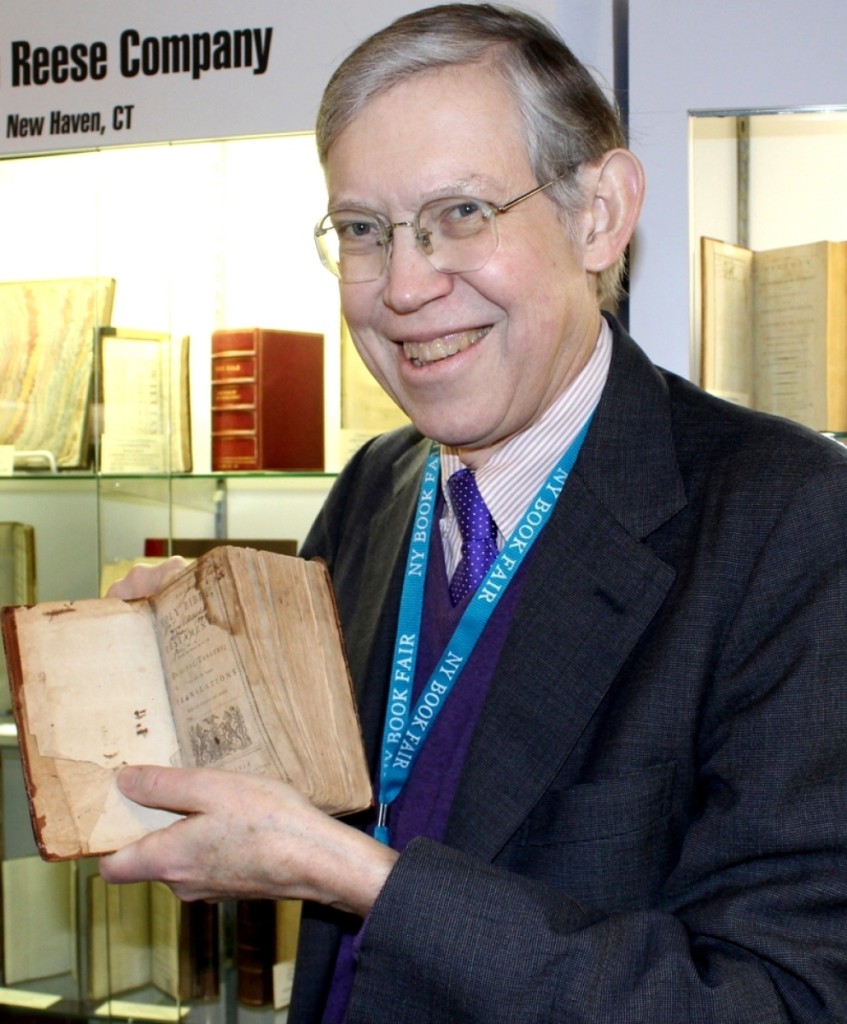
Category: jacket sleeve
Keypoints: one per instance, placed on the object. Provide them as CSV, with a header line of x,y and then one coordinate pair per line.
x,y
751,921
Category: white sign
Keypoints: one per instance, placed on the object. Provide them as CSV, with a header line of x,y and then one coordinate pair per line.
x,y
115,72
84,74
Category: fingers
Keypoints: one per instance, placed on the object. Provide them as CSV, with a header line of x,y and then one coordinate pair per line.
x,y
138,862
172,789
171,855
183,855
228,844
249,836
207,790
144,580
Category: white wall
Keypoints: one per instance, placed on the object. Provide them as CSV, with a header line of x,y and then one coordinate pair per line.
x,y
586,26
710,55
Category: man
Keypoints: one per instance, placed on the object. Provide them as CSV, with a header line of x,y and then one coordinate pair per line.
x,y
617,791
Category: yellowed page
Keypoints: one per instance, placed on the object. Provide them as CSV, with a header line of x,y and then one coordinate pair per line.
x,y
257,676
94,699
727,321
256,682
37,920
790,304
209,667
119,957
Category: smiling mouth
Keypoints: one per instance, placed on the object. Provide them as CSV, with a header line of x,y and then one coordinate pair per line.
x,y
421,353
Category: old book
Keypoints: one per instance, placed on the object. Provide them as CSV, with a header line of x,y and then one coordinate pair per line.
x,y
39,939
237,663
118,938
144,402
267,400
199,949
184,946
47,358
17,582
140,935
266,935
774,329
255,951
288,914
17,563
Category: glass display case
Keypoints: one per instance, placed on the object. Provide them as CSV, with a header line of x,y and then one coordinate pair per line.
x,y
768,250
196,237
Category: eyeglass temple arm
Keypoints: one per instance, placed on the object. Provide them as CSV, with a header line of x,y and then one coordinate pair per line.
x,y
528,195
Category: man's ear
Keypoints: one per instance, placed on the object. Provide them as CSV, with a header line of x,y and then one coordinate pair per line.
x,y
614,190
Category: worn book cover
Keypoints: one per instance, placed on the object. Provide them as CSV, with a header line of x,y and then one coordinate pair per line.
x,y
237,663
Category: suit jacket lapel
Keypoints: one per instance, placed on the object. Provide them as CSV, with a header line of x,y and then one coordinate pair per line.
x,y
592,590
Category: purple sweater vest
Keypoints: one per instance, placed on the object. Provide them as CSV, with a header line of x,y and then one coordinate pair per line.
x,y
423,806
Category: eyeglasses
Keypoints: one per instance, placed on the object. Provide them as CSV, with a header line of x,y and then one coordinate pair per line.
x,y
457,235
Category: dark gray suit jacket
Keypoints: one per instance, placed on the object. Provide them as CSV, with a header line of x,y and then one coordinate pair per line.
x,y
652,821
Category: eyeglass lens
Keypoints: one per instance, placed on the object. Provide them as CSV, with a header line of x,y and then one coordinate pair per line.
x,y
457,235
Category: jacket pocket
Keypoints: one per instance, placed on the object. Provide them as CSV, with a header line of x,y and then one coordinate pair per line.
x,y
608,843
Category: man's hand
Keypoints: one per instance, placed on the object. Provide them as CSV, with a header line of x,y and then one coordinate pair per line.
x,y
247,836
145,580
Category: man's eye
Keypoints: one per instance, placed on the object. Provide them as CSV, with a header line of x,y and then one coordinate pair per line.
x,y
357,231
460,218
361,228
463,210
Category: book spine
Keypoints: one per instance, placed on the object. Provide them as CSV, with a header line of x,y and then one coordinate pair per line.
x,y
267,400
199,952
235,415
255,951
235,395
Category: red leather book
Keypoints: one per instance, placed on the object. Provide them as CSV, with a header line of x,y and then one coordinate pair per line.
x,y
267,400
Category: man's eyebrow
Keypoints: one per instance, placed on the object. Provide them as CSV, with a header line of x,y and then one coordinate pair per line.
x,y
350,204
472,186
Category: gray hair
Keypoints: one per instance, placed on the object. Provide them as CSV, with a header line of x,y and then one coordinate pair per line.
x,y
568,119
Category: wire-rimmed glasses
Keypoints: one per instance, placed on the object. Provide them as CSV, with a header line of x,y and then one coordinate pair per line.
x,y
457,234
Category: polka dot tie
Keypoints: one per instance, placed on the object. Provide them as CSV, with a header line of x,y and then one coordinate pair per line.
x,y
479,534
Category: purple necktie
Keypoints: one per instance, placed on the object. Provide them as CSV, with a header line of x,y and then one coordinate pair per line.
x,y
479,534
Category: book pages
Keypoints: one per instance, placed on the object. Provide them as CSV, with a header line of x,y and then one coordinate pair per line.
x,y
96,701
250,624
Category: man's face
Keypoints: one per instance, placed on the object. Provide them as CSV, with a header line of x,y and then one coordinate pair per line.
x,y
472,358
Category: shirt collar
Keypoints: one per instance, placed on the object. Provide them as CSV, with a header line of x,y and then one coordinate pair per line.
x,y
510,479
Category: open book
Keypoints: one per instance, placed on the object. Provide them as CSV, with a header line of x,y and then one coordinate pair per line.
x,y
774,329
237,663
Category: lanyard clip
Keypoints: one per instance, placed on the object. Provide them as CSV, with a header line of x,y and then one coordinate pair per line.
x,y
381,829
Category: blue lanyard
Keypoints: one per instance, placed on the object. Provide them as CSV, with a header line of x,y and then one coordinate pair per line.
x,y
407,728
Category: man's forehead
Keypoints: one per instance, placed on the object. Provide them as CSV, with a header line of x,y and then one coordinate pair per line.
x,y
424,139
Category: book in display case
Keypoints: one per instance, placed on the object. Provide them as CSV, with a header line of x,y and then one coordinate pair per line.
x,y
119,263
73,948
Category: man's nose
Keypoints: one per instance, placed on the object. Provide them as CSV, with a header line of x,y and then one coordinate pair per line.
x,y
411,280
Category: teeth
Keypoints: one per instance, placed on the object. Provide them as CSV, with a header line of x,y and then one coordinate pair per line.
x,y
423,352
